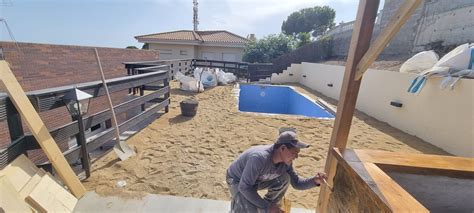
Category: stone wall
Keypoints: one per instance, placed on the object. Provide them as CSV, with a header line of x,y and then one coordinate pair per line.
x,y
435,24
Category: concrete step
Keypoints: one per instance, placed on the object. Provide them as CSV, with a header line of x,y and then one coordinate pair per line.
x,y
92,202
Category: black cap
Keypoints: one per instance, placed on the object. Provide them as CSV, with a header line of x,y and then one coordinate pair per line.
x,y
289,137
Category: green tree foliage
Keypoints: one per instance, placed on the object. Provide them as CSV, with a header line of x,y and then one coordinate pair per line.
x,y
303,38
316,20
131,47
146,46
268,48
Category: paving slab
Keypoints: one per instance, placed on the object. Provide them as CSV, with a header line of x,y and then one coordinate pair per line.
x,y
92,202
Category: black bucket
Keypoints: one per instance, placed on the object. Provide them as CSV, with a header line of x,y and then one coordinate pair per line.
x,y
189,107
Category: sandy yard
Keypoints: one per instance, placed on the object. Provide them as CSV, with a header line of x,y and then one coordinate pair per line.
x,y
189,156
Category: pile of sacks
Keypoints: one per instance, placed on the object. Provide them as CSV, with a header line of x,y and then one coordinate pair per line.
x,y
455,65
204,78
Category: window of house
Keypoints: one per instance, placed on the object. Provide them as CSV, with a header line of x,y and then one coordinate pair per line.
x,y
165,51
183,52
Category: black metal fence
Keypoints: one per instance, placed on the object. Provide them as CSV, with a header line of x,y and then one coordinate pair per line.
x,y
243,70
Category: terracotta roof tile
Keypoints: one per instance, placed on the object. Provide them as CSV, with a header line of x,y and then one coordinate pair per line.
x,y
220,36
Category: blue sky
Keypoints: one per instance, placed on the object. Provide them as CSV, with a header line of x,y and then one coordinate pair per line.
x,y
114,23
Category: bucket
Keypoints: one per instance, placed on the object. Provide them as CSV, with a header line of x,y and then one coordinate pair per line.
x,y
188,107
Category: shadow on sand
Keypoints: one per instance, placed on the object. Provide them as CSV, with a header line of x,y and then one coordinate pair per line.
x,y
179,119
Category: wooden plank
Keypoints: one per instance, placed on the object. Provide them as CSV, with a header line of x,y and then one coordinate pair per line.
x,y
448,163
32,183
39,130
396,197
360,41
392,28
10,200
49,196
19,171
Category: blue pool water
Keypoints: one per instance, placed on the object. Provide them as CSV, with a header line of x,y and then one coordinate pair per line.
x,y
278,100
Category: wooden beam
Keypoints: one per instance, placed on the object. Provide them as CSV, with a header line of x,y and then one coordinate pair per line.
x,y
396,22
396,197
441,162
39,130
361,35
10,198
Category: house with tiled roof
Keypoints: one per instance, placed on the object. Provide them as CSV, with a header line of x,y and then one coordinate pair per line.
x,y
184,44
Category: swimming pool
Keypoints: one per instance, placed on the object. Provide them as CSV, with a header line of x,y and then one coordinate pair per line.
x,y
278,100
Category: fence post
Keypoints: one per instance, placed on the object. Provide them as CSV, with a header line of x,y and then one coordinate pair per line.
x,y
167,95
15,126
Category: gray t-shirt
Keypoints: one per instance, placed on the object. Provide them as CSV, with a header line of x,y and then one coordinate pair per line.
x,y
254,166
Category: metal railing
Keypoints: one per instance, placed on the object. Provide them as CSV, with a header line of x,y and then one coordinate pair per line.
x,y
51,98
243,70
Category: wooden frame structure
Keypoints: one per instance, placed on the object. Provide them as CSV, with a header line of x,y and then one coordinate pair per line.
x,y
384,181
361,55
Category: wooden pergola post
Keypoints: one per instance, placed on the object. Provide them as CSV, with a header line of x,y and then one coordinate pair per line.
x,y
360,57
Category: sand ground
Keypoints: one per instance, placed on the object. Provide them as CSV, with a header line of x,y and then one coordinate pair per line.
x,y
188,157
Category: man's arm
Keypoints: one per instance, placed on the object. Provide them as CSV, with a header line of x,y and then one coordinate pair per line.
x,y
248,180
301,183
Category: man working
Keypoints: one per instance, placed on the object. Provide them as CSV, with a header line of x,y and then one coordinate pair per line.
x,y
267,167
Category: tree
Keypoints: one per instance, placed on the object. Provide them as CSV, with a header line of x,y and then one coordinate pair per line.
x,y
131,47
268,48
316,20
303,38
146,46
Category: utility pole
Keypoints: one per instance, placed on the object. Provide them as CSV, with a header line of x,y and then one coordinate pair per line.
x,y
195,15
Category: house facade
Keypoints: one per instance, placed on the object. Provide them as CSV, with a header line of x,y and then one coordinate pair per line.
x,y
185,44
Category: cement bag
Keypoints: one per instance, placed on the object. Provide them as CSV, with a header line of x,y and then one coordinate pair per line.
x,y
208,79
197,72
189,83
457,59
206,76
420,62
225,78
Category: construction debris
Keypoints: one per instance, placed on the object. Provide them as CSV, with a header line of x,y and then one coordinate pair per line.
x,y
26,188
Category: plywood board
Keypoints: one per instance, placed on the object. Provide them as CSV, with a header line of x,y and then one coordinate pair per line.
x,y
19,171
49,196
10,200
39,130
32,183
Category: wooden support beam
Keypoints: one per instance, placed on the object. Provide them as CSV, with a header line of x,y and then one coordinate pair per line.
x,y
396,22
39,130
361,35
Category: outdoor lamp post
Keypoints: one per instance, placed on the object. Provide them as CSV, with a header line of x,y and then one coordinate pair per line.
x,y
77,103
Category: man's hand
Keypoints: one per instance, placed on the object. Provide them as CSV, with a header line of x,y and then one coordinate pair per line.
x,y
274,208
320,178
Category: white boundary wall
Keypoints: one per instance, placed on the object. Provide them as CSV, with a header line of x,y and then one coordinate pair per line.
x,y
444,118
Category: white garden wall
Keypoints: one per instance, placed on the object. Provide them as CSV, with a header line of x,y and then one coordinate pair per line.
x,y
444,118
